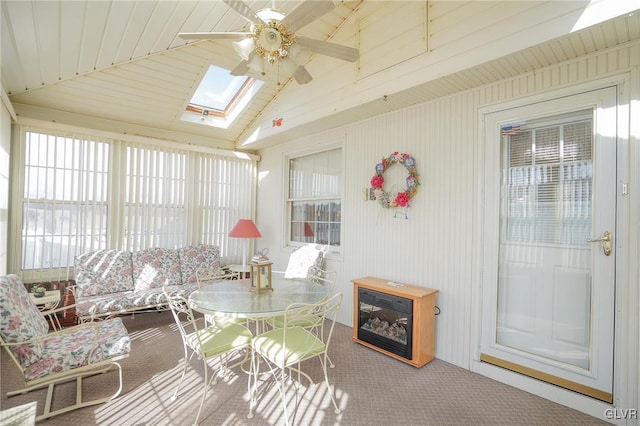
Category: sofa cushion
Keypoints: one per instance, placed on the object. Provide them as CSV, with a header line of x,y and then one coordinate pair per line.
x,y
129,300
196,256
72,348
155,267
20,320
103,272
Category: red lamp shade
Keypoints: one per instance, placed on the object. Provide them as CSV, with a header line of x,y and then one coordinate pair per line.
x,y
308,231
245,228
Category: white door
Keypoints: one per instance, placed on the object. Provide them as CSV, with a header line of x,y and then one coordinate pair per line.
x,y
548,293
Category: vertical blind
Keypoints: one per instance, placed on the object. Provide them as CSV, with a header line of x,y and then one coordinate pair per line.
x,y
548,189
155,212
82,193
64,205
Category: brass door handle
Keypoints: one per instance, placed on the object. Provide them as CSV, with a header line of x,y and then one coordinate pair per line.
x,y
606,241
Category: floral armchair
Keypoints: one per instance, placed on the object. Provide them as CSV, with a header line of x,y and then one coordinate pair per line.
x,y
46,358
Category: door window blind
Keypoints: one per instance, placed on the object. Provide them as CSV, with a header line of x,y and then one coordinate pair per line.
x,y
547,182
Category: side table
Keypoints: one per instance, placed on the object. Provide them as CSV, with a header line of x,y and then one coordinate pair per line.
x,y
49,301
240,271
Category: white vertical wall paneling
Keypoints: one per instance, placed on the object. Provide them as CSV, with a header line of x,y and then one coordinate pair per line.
x,y
633,373
434,247
5,158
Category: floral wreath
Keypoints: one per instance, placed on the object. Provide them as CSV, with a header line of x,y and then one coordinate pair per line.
x,y
402,198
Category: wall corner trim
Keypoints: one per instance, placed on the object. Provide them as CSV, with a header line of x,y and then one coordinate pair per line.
x,y
7,103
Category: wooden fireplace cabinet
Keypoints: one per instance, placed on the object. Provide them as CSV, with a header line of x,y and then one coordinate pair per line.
x,y
424,302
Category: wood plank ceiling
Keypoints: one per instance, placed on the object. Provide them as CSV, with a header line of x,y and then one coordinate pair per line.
x,y
122,62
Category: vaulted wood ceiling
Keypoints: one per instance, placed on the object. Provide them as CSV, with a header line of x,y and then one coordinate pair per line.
x,y
121,65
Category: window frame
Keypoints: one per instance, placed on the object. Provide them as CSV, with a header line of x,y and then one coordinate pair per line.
x,y
220,118
199,228
287,200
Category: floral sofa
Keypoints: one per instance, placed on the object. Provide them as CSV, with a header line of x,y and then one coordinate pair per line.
x,y
111,282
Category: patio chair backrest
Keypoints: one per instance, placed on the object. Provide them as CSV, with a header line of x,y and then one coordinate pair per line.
x,y
20,319
322,277
302,259
209,275
326,311
183,315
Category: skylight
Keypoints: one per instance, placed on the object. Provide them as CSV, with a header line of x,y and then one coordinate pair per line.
x,y
220,97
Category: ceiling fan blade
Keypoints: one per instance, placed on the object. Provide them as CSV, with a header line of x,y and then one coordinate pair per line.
x,y
241,69
302,76
306,13
298,72
243,9
334,50
214,36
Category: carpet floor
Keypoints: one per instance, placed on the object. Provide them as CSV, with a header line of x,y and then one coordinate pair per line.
x,y
371,389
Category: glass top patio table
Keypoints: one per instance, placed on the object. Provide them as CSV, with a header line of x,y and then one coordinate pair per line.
x,y
233,297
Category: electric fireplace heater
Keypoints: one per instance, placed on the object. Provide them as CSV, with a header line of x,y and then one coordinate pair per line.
x,y
385,321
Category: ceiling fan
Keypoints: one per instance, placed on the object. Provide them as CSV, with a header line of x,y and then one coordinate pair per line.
x,y
270,39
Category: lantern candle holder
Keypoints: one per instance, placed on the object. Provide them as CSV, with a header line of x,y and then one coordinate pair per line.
x,y
261,277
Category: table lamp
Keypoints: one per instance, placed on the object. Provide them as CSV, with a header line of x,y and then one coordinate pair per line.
x,y
308,231
245,228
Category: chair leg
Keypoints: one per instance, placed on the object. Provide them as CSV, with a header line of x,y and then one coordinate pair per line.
x,y
283,394
184,373
323,362
253,386
331,364
79,402
205,385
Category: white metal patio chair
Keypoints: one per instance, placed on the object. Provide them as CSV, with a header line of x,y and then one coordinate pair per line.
x,y
311,322
46,359
302,259
284,349
206,342
319,277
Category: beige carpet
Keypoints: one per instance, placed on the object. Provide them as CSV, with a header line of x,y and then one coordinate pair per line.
x,y
372,389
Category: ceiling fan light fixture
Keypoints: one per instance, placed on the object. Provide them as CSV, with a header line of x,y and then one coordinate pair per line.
x,y
244,48
268,15
301,55
272,41
256,64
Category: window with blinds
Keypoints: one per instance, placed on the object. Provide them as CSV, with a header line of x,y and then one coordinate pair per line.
x,y
315,198
155,205
547,193
81,194
64,202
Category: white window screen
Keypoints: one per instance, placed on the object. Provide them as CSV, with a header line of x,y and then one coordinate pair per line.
x,y
315,194
64,201
548,189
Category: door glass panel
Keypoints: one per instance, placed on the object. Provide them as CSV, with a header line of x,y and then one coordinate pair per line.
x,y
544,279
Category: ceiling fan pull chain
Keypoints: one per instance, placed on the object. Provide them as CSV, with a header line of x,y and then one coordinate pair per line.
x,y
278,74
